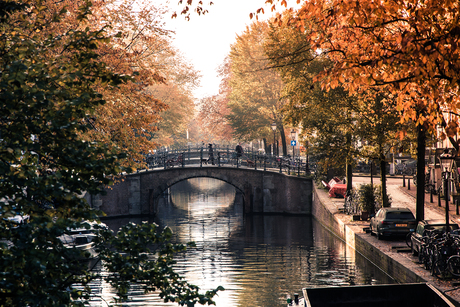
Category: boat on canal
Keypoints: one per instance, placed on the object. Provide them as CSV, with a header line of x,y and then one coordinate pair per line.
x,y
413,294
81,238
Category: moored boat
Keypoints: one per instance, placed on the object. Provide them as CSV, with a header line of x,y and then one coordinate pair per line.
x,y
414,294
80,238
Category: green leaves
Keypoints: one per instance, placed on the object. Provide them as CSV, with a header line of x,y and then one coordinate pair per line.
x,y
142,254
48,94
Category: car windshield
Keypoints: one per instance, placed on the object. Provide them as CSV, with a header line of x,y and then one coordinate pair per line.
x,y
400,216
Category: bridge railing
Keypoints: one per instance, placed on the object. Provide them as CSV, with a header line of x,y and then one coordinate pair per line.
x,y
226,157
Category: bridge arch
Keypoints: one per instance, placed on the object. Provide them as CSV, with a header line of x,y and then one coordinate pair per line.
x,y
263,191
190,176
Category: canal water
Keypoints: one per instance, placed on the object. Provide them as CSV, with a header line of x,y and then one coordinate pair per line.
x,y
259,260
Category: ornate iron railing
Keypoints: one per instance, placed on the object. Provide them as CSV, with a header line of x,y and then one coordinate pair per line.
x,y
226,157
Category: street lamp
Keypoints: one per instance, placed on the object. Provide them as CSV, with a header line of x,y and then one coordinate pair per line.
x,y
446,159
307,168
274,136
293,133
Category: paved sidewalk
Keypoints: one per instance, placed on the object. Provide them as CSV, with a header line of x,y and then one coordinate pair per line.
x,y
433,209
402,196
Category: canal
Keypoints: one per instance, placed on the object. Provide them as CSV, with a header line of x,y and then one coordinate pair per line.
x,y
259,259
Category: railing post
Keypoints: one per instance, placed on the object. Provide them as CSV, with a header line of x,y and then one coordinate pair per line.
x,y
218,159
298,167
201,157
255,163
265,162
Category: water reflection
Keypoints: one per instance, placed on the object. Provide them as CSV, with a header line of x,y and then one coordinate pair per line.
x,y
259,260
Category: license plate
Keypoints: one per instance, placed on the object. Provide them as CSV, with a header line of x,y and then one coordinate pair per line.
x,y
401,225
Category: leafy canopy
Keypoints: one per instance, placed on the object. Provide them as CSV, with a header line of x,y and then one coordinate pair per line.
x,y
48,93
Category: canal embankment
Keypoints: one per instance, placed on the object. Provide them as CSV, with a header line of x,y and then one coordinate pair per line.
x,y
391,256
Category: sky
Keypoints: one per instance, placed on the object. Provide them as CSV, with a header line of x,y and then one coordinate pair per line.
x,y
205,40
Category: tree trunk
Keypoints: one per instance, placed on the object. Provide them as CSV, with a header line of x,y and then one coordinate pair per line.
x,y
349,166
283,140
383,180
420,196
264,140
349,172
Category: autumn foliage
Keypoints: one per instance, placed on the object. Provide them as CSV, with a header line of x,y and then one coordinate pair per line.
x,y
409,48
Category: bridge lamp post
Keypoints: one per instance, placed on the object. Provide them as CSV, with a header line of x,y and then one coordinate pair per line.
x,y
446,159
274,136
293,133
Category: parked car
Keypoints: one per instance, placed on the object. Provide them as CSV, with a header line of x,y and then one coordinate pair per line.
x,y
437,226
392,222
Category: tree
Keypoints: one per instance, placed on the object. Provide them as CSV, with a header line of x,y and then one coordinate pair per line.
x,y
213,111
138,46
335,122
48,90
255,98
172,129
408,49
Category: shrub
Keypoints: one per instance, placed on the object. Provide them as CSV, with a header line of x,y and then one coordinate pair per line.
x,y
367,198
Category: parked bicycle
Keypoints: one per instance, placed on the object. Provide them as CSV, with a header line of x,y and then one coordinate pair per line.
x,y
440,254
173,161
351,205
429,186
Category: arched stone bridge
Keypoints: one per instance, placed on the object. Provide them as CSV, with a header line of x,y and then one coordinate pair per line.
x,y
263,191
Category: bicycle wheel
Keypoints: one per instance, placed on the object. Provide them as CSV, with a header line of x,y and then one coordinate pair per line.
x,y
409,241
453,264
428,258
439,269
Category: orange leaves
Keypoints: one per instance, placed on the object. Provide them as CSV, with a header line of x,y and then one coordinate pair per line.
x,y
451,129
391,44
401,135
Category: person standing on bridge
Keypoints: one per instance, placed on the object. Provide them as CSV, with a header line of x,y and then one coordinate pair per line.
x,y
211,154
239,152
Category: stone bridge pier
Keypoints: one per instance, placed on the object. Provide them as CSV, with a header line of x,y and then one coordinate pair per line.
x,y
263,191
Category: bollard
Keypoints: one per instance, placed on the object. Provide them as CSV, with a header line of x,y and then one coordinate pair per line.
x,y
431,195
408,183
404,181
439,200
